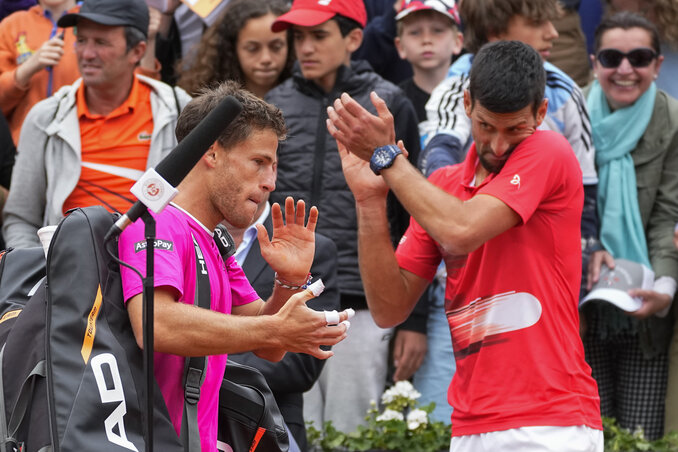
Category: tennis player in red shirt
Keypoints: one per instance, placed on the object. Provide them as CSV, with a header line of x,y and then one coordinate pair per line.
x,y
506,222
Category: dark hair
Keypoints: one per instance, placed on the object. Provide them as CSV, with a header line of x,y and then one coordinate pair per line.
x,y
626,20
133,36
346,25
217,57
256,114
507,76
482,19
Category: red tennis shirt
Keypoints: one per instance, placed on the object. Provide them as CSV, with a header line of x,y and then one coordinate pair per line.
x,y
512,303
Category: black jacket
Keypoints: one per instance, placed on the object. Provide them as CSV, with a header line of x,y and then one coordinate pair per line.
x,y
309,166
296,372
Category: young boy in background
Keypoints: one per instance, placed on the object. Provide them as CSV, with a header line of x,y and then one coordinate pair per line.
x,y
428,38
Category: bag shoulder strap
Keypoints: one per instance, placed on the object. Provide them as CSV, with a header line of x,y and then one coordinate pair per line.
x,y
9,429
195,367
224,241
3,417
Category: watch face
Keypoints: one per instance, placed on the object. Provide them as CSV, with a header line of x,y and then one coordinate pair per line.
x,y
382,157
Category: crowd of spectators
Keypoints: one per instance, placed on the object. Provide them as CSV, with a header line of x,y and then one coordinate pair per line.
x,y
91,93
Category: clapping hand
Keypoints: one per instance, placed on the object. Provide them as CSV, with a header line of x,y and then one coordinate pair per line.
x,y
359,130
290,251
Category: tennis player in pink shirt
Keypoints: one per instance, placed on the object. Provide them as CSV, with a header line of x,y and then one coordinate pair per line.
x,y
228,183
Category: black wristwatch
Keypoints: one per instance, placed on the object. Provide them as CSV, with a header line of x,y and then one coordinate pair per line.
x,y
383,157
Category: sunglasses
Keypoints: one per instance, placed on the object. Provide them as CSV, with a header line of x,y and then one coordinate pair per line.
x,y
612,58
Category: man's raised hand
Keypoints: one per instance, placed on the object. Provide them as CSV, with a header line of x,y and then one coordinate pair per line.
x,y
359,130
290,251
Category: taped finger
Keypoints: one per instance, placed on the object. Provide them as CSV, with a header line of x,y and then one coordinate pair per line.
x,y
317,288
332,317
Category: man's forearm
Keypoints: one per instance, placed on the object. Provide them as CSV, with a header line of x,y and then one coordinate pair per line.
x,y
439,213
203,332
277,299
388,297
459,227
188,330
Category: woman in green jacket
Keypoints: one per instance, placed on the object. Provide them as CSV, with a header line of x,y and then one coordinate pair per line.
x,y
635,131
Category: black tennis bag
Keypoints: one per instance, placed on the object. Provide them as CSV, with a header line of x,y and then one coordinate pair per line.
x,y
72,376
249,417
21,272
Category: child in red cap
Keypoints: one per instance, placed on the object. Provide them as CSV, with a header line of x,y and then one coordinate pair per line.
x,y
325,34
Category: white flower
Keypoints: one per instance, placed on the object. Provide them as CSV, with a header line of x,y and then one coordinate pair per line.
x,y
638,432
415,418
389,415
388,396
402,389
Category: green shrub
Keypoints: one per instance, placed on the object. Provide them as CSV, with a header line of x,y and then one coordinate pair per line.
x,y
405,426
618,439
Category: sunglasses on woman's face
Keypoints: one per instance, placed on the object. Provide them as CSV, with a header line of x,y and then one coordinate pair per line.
x,y
612,58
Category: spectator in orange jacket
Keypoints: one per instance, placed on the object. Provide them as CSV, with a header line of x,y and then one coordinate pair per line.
x,y
36,58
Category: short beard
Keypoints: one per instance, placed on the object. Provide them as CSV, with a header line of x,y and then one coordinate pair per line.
x,y
489,167
495,168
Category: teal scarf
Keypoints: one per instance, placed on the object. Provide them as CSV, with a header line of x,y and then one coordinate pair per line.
x,y
615,135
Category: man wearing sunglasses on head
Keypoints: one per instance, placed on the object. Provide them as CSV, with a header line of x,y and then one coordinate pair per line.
x,y
635,131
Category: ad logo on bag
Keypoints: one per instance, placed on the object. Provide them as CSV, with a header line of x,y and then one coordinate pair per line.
x,y
105,369
223,447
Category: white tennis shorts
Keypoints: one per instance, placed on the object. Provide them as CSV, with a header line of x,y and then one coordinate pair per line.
x,y
578,438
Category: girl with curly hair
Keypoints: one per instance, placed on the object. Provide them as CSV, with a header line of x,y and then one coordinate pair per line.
x,y
241,46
